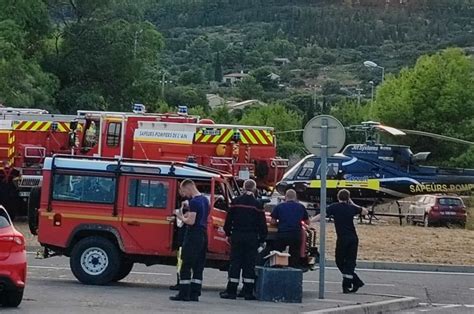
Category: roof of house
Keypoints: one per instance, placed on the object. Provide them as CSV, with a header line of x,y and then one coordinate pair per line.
x,y
236,75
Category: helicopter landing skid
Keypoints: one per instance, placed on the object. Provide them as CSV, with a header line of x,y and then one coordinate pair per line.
x,y
371,215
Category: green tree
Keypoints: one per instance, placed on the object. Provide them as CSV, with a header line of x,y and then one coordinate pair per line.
x,y
263,77
248,88
436,95
23,83
222,115
105,48
282,119
218,74
186,96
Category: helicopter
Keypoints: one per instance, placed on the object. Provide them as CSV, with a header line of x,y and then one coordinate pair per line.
x,y
376,173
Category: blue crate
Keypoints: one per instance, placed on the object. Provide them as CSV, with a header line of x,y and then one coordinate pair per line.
x,y
279,284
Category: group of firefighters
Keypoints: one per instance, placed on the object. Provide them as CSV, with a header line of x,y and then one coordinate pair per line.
x,y
246,229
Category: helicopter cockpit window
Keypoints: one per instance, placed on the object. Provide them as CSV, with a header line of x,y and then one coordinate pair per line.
x,y
306,170
333,170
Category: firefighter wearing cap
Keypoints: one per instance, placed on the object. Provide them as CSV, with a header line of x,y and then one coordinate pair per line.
x,y
246,228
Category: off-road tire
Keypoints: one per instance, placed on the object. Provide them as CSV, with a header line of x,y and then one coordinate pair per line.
x,y
109,257
12,298
33,206
124,271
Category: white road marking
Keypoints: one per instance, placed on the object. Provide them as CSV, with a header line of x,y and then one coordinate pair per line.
x,y
410,271
67,268
451,306
338,282
471,289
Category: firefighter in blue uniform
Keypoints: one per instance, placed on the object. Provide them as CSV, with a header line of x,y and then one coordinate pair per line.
x,y
289,216
347,242
194,247
246,228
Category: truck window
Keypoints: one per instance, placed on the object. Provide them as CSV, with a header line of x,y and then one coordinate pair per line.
x,y
148,193
113,134
83,188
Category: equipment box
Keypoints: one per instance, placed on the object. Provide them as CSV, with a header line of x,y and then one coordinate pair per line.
x,y
279,284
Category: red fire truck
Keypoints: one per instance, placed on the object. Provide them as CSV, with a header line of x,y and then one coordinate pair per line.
x,y
108,214
28,136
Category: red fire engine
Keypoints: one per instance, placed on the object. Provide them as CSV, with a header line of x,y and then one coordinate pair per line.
x,y
28,136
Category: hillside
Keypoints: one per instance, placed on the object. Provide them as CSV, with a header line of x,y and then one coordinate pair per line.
x,y
323,40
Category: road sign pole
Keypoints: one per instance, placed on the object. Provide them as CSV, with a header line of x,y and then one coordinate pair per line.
x,y
323,136
322,207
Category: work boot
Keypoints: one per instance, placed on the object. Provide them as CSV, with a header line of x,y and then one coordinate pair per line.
x,y
247,291
195,291
241,294
176,286
184,293
346,285
357,283
230,292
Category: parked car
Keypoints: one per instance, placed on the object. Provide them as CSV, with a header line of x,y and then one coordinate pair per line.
x,y
437,209
12,262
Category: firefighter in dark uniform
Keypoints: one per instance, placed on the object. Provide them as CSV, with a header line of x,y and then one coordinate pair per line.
x,y
289,216
347,242
246,228
194,248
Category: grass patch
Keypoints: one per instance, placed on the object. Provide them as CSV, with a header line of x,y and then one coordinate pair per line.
x,y
470,213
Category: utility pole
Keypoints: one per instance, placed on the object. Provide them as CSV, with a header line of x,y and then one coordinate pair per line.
x,y
163,77
358,95
135,42
372,85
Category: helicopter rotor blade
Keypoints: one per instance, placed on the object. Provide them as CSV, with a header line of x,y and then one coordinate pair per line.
x,y
289,131
438,136
389,129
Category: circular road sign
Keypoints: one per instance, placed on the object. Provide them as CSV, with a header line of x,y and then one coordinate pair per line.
x,y
312,135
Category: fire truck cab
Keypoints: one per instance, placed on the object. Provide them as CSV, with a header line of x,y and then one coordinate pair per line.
x,y
107,214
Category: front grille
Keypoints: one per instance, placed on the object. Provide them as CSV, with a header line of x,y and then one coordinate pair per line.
x,y
29,181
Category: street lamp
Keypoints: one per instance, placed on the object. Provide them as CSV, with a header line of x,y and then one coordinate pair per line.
x,y
372,85
371,64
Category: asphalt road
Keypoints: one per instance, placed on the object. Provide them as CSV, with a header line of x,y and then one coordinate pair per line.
x,y
51,288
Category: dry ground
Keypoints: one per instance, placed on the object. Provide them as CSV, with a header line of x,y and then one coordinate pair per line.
x,y
411,244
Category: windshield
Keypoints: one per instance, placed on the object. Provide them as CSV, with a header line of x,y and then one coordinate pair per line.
x,y
450,201
4,220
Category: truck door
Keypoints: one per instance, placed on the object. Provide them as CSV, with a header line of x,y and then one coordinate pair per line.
x,y
147,214
113,137
217,240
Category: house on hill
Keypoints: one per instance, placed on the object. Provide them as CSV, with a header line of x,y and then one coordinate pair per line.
x,y
233,78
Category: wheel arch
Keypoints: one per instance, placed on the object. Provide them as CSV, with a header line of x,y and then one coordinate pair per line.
x,y
97,230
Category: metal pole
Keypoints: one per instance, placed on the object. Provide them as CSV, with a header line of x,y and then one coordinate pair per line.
x,y
372,91
163,77
383,73
322,223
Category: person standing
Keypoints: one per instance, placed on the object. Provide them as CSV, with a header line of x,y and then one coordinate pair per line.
x,y
289,216
246,228
181,230
194,247
347,241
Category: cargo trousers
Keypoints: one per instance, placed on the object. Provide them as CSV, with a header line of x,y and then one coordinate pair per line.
x,y
243,256
346,259
193,260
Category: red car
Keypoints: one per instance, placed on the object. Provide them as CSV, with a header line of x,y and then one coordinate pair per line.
x,y
438,209
12,262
